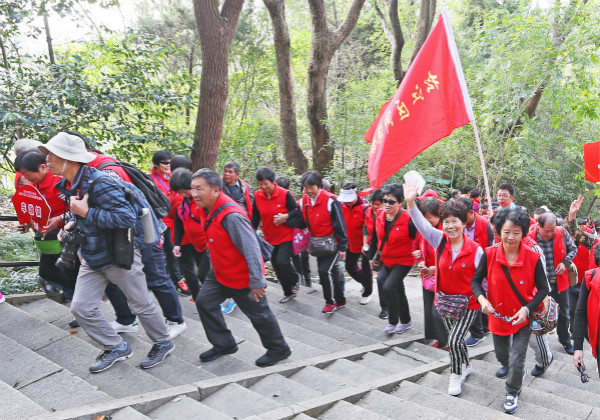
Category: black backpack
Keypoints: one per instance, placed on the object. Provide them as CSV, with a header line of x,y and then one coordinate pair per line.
x,y
157,200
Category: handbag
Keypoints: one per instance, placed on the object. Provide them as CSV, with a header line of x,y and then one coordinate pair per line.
x,y
376,262
449,306
323,246
300,239
542,320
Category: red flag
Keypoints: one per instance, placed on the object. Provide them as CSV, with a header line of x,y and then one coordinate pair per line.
x,y
591,161
430,103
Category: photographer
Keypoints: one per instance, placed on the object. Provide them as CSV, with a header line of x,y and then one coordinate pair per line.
x,y
67,156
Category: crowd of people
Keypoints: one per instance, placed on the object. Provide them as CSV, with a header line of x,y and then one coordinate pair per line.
x,y
485,267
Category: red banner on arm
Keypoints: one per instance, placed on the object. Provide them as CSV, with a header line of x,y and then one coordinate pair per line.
x,y
31,206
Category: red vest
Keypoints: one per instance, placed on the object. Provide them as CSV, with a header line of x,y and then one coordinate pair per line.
x,y
559,252
369,222
399,246
355,222
191,218
454,278
100,159
582,261
593,308
482,235
228,263
162,183
592,259
51,194
269,207
500,294
247,200
319,218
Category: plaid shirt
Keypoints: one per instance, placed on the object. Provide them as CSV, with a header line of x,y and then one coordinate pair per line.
x,y
548,250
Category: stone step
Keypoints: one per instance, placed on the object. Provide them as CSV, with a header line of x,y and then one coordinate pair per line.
x,y
428,351
480,395
186,408
395,364
282,390
236,401
392,407
321,380
345,410
128,413
458,407
353,371
15,405
302,416
531,401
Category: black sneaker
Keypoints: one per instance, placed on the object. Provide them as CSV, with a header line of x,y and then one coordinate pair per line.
x,y
74,324
47,287
384,314
109,357
270,359
157,354
502,372
213,354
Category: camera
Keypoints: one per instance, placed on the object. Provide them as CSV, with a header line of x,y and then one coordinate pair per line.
x,y
71,241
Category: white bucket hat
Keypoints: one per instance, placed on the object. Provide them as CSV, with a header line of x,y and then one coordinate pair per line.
x,y
69,147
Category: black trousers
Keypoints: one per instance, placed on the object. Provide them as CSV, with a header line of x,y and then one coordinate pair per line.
x,y
434,325
573,293
208,303
362,274
480,326
171,262
394,293
562,326
48,270
281,259
331,279
194,266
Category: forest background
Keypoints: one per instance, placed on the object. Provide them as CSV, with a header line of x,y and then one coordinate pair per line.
x,y
532,69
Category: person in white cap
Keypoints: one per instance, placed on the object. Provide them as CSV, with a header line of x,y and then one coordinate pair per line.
x,y
354,210
95,216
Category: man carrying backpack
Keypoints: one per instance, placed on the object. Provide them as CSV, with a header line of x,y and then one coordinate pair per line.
x,y
96,217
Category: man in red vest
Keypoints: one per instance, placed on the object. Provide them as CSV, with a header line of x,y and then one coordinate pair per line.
x,y
559,250
236,272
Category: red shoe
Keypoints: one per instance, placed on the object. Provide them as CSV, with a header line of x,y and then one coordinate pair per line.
x,y
340,305
329,308
437,346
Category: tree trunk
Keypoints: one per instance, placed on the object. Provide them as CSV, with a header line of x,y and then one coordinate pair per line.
x,y
49,40
324,44
216,32
4,55
294,155
393,31
426,15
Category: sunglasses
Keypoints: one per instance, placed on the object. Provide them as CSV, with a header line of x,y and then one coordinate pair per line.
x,y
504,318
390,202
584,376
165,163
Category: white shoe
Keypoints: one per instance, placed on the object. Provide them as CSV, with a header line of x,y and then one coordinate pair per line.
x,y
455,385
466,371
365,299
120,328
174,328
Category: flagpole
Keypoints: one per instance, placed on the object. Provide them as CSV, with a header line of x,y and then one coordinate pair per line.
x,y
467,99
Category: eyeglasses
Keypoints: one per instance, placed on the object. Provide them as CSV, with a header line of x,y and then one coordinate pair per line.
x,y
390,202
584,376
503,196
168,162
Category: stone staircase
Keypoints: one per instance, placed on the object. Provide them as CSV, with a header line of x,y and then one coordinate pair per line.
x,y
342,365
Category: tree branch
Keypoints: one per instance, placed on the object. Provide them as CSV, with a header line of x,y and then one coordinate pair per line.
x,y
340,35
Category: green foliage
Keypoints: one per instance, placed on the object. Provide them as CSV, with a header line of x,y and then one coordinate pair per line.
x,y
15,247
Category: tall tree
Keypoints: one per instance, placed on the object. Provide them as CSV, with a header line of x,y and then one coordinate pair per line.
x,y
216,28
325,43
287,100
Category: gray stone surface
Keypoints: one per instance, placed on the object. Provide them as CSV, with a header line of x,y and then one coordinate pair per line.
x,y
384,364
282,390
353,371
128,413
16,405
428,351
394,408
345,410
482,395
237,401
321,380
185,408
405,357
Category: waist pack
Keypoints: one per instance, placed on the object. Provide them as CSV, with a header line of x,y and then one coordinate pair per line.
x,y
451,306
322,247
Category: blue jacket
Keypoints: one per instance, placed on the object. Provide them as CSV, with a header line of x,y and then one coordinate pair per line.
x,y
111,210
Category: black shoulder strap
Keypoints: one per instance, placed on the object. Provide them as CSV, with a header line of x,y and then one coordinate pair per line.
x,y
106,164
389,229
305,205
441,249
512,285
127,192
216,213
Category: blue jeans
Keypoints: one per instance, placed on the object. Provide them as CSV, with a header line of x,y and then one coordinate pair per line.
x,y
157,281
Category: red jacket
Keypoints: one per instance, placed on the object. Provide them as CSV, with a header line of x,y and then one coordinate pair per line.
x,y
454,277
191,218
228,263
582,261
100,159
500,294
269,207
319,218
558,247
55,200
355,221
593,308
399,246
162,183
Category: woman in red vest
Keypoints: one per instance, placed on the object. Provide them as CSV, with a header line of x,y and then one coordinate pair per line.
x,y
587,314
376,199
507,266
189,244
457,257
322,214
434,327
274,208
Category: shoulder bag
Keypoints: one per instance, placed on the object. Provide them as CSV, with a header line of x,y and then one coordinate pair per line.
x,y
542,320
449,306
324,246
377,258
